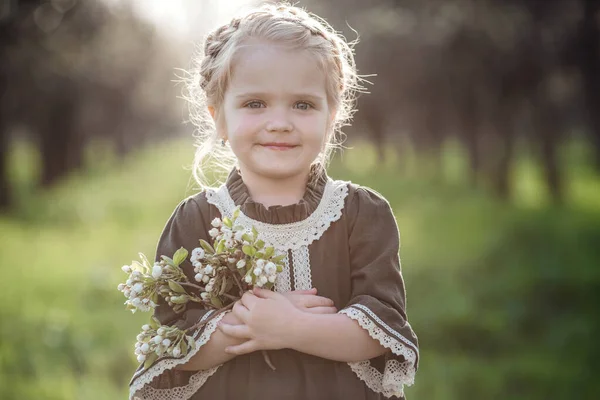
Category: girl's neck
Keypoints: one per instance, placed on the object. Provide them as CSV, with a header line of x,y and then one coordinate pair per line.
x,y
275,192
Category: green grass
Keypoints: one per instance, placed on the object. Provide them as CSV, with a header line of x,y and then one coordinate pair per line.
x,y
501,295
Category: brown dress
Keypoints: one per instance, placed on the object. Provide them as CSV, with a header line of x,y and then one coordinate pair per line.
x,y
340,238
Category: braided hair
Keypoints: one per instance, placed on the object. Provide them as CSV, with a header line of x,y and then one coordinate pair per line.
x,y
277,23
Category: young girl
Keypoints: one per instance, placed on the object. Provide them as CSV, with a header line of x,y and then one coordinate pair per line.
x,y
278,83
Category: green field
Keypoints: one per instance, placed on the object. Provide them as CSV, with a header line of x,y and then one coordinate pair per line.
x,y
502,296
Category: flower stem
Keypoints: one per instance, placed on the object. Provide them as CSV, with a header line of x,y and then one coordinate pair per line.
x,y
200,324
230,297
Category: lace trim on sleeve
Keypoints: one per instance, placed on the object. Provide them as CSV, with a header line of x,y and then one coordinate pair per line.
x,y
140,390
396,374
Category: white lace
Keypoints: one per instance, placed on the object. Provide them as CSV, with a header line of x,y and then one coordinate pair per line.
x,y
396,374
294,235
283,283
302,275
140,390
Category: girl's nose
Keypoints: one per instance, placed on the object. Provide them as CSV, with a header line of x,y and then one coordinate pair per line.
x,y
279,121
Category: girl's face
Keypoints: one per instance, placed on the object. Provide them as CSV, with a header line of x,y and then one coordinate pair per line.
x,y
275,112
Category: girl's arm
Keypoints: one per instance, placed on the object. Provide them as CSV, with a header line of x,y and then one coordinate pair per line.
x,y
213,352
333,336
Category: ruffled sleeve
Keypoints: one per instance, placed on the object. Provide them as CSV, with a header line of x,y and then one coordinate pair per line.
x,y
378,301
188,223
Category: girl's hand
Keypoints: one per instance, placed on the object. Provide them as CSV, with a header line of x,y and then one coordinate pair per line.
x,y
266,318
308,301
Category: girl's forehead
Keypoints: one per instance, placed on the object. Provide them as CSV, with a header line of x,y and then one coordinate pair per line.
x,y
264,66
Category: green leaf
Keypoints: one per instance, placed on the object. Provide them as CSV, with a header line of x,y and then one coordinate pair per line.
x,y
247,237
145,261
207,247
260,244
254,232
269,252
216,302
220,246
279,268
176,287
259,254
179,299
279,259
183,347
227,222
150,360
154,324
236,213
249,250
180,256
238,228
154,297
223,287
169,261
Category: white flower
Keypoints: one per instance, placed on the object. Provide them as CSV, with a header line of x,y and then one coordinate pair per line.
x,y
204,296
241,264
227,234
259,283
209,269
145,301
129,282
260,263
160,331
157,339
197,254
137,351
176,352
209,287
272,278
139,337
145,327
238,236
138,287
141,358
214,232
126,269
166,342
212,281
136,302
216,223
198,277
156,271
126,292
229,242
136,274
231,260
197,264
248,279
144,348
257,271
205,279
263,279
270,268
121,287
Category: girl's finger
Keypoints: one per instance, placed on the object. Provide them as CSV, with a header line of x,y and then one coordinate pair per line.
x,y
235,331
241,311
322,310
309,291
248,300
244,348
317,301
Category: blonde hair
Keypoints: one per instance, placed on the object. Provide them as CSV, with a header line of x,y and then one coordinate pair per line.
x,y
281,23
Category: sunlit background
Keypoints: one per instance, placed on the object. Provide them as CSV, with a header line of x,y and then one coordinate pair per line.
x,y
482,128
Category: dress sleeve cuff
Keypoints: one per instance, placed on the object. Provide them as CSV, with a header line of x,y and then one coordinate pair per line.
x,y
400,364
161,382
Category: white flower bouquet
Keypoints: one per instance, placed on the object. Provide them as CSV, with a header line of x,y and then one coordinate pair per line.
x,y
236,261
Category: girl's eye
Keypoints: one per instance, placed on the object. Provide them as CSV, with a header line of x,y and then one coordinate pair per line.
x,y
254,104
302,105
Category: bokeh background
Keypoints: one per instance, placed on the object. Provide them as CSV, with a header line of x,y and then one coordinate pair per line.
x,y
482,128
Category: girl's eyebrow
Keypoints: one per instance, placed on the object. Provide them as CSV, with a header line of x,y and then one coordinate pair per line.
x,y
308,96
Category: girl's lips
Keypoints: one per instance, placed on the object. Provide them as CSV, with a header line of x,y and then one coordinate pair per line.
x,y
278,146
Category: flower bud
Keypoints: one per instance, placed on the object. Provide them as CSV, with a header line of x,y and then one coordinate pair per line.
x,y
166,342
126,269
209,287
239,236
216,222
138,287
263,280
157,339
270,268
121,287
272,278
204,296
241,264
156,271
176,352
161,331
257,271
213,232
209,269
260,263
145,327
141,358
248,279
198,277
144,348
206,278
